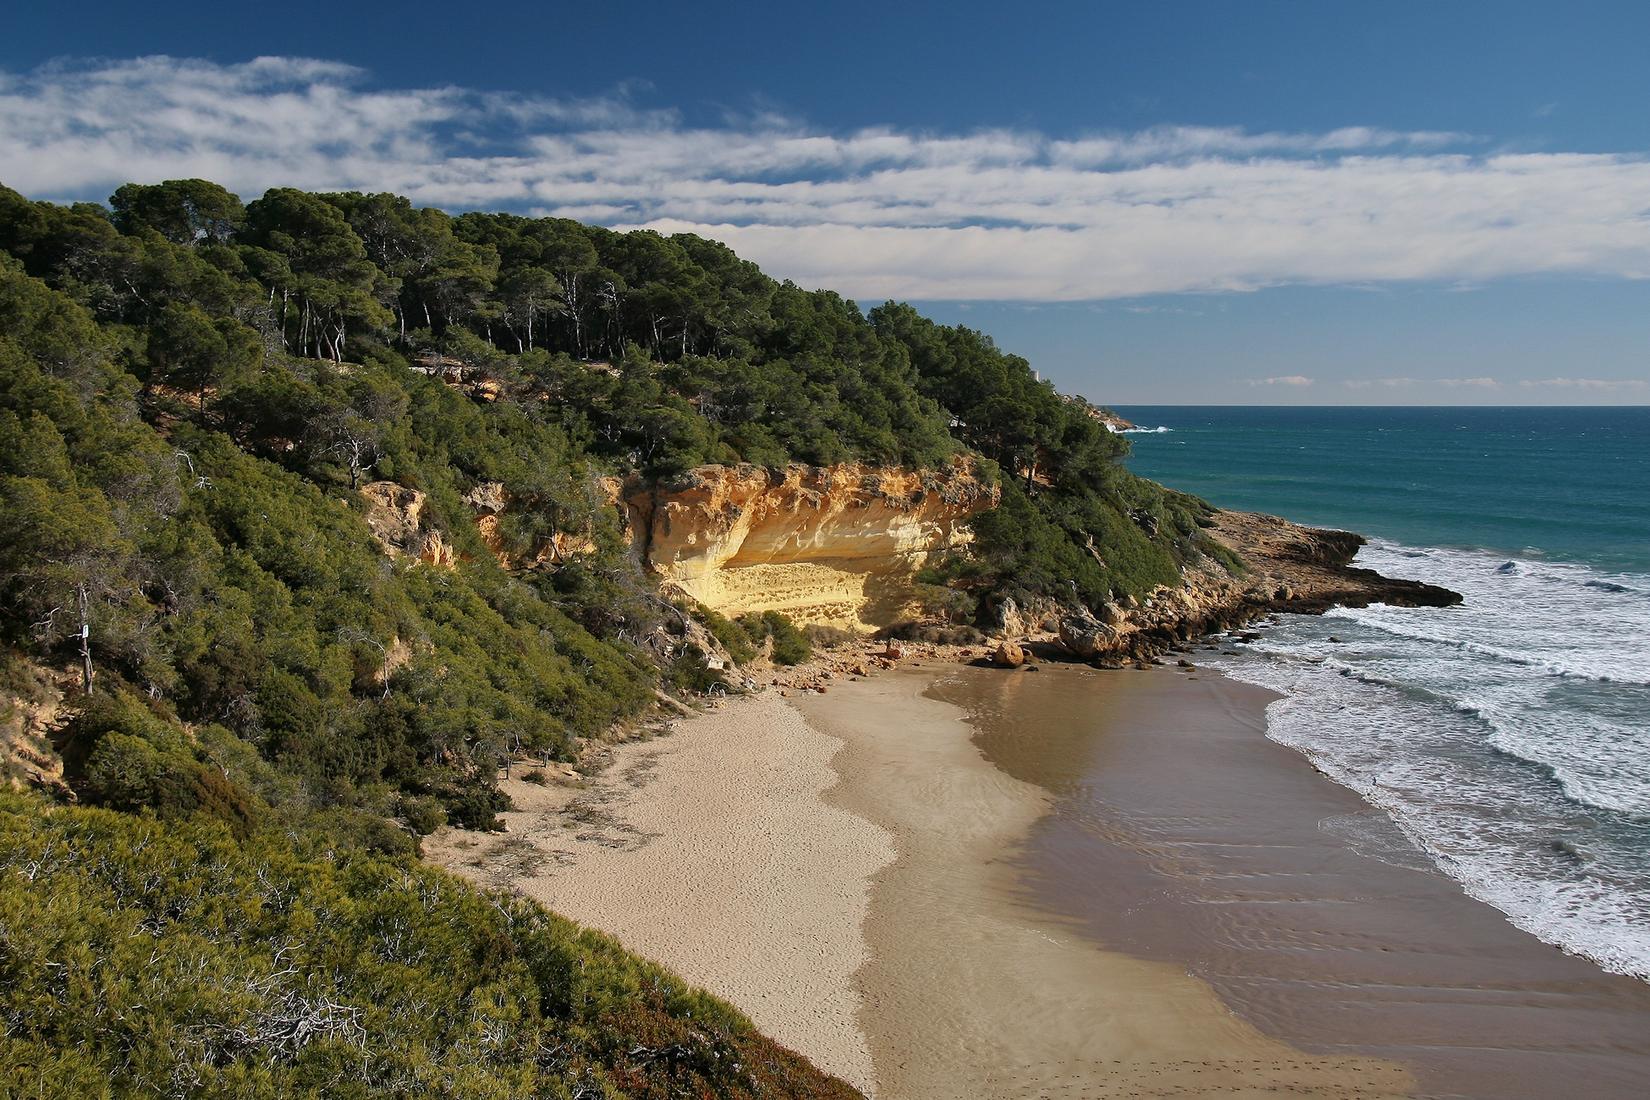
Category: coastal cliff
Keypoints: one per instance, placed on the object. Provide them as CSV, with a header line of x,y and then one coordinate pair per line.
x,y
838,545
841,546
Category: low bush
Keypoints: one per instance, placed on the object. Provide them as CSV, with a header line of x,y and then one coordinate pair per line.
x,y
789,645
729,633
821,636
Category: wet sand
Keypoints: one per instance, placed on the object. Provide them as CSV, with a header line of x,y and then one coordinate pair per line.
x,y
969,991
1177,832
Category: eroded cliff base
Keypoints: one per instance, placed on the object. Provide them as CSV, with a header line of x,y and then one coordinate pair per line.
x,y
834,545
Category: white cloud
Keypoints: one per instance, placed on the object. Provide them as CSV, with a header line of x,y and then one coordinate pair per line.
x,y
877,212
1281,380
1599,384
1483,382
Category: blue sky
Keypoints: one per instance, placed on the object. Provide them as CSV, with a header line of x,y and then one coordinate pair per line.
x,y
1247,202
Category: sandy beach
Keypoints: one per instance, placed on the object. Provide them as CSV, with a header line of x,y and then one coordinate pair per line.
x,y
1178,832
836,867
951,881
970,992
711,850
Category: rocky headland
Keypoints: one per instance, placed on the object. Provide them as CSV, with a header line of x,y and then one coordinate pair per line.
x,y
841,546
1286,567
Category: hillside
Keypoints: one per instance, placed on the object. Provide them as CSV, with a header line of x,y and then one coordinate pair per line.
x,y
319,509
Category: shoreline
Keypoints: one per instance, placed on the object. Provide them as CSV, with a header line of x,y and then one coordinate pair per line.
x,y
1304,906
839,868
970,991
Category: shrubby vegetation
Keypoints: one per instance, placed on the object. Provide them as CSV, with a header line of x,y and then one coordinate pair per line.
x,y
193,393
143,958
789,646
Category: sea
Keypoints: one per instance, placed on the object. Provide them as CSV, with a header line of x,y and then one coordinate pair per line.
x,y
1507,738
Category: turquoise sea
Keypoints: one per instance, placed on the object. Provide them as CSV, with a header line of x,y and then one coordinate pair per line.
x,y
1508,738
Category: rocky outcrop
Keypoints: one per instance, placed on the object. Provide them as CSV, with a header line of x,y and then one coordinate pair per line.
x,y
1085,636
490,500
32,711
1287,567
395,518
1014,619
1112,421
838,545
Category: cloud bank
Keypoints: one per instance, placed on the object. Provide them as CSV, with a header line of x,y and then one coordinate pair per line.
x,y
879,212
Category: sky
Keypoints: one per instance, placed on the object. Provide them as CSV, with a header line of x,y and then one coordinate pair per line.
x,y
1257,203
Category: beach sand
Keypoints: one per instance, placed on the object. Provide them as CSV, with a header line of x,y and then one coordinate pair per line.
x,y
843,880
712,851
971,992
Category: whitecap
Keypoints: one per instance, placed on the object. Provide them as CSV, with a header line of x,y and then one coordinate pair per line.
x,y
1509,738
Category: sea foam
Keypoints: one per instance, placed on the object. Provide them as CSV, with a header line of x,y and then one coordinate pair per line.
x,y
1508,738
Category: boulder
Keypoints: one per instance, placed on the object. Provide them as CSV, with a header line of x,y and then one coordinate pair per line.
x,y
1085,636
488,498
1009,655
1111,614
1009,620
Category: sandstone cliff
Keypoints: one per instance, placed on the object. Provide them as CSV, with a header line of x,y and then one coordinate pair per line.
x,y
838,545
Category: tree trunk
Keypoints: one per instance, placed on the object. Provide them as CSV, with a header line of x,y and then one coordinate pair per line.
x,y
570,296
85,639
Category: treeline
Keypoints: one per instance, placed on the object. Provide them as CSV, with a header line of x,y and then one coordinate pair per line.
x,y
700,356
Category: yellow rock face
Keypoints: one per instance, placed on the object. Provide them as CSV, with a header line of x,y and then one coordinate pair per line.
x,y
836,545
395,517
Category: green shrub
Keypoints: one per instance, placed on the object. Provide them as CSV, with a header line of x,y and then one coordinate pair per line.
x,y
821,636
122,756
475,806
790,646
729,633
423,814
146,957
